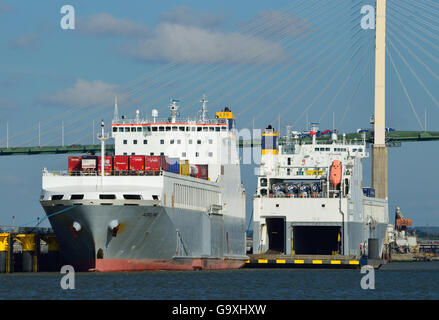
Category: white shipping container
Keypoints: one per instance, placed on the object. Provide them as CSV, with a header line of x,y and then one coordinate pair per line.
x,y
89,163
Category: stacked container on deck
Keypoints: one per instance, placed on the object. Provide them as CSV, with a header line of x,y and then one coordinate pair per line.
x,y
135,165
108,165
121,165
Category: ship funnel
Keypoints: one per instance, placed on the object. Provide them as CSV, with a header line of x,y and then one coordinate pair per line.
x,y
269,141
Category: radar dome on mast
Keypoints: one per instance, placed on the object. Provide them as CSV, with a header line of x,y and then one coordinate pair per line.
x,y
154,114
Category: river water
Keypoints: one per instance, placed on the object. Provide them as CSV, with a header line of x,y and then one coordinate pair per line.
x,y
402,281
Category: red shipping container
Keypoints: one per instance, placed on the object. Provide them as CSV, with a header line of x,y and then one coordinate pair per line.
x,y
163,162
203,171
108,166
75,164
120,163
137,163
152,163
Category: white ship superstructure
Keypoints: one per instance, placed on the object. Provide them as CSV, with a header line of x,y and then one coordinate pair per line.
x,y
144,217
310,198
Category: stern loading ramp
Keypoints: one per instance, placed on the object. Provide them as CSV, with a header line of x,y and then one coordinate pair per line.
x,y
307,240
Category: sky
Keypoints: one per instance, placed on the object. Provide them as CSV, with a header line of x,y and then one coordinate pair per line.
x,y
271,62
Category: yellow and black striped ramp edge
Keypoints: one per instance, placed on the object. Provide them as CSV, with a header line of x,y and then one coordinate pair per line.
x,y
302,263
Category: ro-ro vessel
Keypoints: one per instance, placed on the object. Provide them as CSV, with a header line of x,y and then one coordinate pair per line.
x,y
311,200
170,198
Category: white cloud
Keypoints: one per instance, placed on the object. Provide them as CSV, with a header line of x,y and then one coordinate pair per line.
x,y
4,7
29,41
191,44
106,24
82,94
184,15
276,23
7,103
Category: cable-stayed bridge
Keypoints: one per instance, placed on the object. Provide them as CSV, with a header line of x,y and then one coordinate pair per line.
x,y
319,64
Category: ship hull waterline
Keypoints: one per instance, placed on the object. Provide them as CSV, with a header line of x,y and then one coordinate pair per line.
x,y
148,238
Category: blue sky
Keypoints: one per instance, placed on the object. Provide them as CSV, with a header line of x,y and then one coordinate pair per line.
x,y
298,59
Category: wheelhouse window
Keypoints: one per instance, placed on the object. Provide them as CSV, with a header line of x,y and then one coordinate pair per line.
x,y
107,196
132,196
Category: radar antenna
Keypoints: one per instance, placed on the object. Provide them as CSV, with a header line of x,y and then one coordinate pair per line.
x,y
203,116
174,110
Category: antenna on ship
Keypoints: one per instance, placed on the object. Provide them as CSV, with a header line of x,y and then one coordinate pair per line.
x,y
174,110
116,112
154,114
289,133
103,137
314,130
203,109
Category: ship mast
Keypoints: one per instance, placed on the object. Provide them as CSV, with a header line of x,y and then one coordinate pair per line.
x,y
203,109
103,137
174,110
379,149
116,111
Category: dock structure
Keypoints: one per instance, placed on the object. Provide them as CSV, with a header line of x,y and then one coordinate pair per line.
x,y
310,261
28,249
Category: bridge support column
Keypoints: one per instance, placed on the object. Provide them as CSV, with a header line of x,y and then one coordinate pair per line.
x,y
4,252
28,243
380,173
53,261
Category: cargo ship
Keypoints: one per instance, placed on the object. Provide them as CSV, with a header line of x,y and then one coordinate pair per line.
x,y
310,199
170,198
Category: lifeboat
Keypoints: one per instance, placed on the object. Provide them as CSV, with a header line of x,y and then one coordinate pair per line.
x,y
335,174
